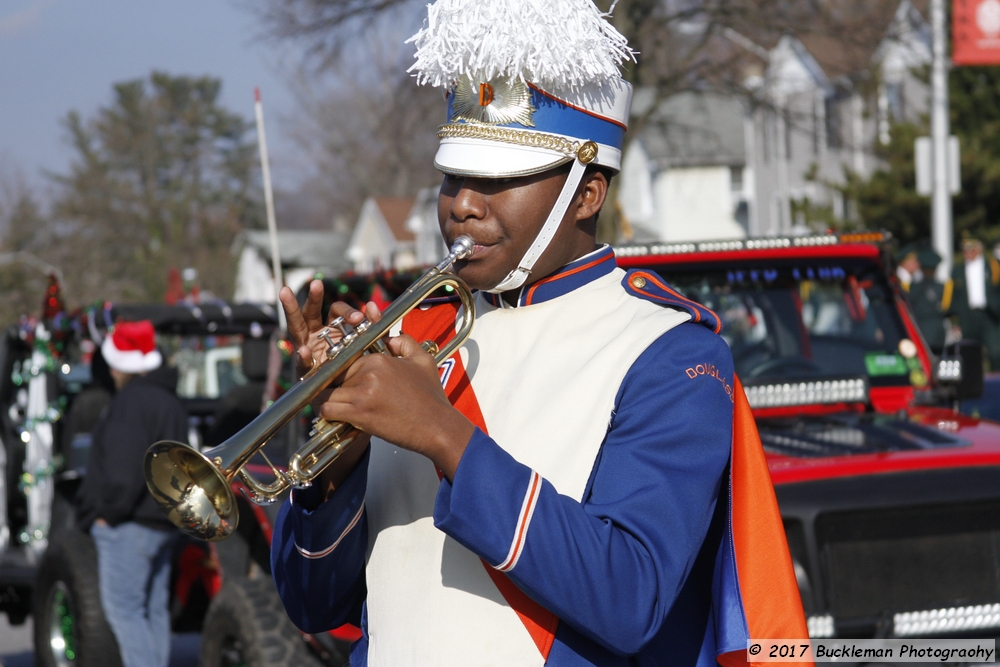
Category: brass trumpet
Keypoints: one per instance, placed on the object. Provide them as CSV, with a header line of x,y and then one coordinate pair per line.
x,y
194,488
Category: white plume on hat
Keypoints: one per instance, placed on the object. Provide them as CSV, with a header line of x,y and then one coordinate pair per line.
x,y
532,85
560,46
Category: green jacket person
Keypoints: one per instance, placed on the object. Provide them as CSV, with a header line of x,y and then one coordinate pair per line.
x,y
925,297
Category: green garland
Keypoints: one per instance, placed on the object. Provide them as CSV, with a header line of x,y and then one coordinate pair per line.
x,y
29,480
26,370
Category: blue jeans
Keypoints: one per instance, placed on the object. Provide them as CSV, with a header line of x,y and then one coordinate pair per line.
x,y
133,564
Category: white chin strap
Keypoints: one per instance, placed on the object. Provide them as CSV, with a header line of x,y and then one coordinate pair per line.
x,y
517,277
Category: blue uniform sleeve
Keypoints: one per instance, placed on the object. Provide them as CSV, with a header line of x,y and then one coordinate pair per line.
x,y
318,554
612,566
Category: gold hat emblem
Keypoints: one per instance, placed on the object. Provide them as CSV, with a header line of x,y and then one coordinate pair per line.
x,y
587,152
496,102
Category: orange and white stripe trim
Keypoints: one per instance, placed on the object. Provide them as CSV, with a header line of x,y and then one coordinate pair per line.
x,y
329,550
523,520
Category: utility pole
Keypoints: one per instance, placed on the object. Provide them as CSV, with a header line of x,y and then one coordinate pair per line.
x,y
941,231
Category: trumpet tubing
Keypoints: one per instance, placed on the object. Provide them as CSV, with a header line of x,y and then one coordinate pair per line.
x,y
194,488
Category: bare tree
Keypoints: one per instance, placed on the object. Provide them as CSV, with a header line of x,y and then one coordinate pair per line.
x,y
367,128
683,45
325,27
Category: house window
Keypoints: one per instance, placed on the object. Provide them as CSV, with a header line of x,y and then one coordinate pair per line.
x,y
741,210
788,134
742,215
766,153
838,205
833,128
896,101
770,136
815,127
777,213
736,179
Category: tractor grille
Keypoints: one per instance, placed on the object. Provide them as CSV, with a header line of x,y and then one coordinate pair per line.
x,y
910,558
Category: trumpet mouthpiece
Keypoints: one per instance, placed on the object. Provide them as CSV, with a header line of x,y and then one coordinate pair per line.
x,y
462,247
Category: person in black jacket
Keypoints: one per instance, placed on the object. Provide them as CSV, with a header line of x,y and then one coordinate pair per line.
x,y
134,539
973,298
926,297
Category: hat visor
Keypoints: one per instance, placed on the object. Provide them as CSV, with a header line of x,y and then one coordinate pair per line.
x,y
491,159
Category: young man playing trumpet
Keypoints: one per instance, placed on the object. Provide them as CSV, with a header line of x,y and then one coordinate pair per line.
x,y
558,492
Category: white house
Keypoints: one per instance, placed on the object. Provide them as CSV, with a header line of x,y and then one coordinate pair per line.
x,y
304,255
901,95
423,224
683,176
708,165
381,239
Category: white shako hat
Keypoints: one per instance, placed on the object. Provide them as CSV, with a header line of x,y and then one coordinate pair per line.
x,y
131,348
531,85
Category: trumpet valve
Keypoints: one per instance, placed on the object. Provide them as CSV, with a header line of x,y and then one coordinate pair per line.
x,y
332,349
341,325
324,334
320,425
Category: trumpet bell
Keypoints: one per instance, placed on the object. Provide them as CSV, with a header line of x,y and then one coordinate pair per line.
x,y
191,490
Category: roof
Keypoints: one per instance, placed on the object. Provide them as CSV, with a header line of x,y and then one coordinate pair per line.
x,y
863,26
396,210
836,57
845,35
694,129
320,249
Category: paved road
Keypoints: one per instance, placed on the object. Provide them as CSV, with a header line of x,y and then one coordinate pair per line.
x,y
16,646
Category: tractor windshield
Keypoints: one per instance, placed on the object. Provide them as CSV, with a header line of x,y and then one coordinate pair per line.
x,y
799,320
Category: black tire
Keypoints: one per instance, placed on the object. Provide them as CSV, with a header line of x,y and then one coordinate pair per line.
x,y
246,626
69,625
63,514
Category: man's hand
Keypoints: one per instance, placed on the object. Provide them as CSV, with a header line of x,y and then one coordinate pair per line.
x,y
397,398
400,399
303,325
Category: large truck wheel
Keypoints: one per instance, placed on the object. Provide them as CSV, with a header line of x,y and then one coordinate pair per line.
x,y
247,626
69,625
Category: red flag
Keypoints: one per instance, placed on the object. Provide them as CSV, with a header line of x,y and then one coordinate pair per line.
x,y
976,32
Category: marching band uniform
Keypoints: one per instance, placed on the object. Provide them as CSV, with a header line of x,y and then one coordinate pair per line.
x,y
598,515
926,299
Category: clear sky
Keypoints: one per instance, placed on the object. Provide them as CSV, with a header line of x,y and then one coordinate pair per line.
x,y
59,55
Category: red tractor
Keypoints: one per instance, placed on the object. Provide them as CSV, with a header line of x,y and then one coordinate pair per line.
x,y
890,495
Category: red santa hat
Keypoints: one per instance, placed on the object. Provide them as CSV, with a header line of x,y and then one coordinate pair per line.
x,y
131,348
